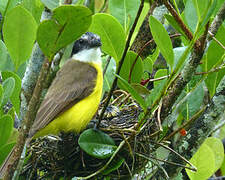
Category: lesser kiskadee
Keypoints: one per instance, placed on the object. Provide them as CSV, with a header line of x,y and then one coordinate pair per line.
x,y
74,95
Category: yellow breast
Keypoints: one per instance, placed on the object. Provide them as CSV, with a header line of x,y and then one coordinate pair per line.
x,y
78,116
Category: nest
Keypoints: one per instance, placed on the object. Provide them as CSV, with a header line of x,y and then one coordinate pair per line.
x,y
54,157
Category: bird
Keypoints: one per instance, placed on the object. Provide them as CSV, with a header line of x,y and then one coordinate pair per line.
x,y
74,95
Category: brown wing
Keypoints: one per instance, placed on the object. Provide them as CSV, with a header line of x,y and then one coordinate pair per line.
x,y
73,82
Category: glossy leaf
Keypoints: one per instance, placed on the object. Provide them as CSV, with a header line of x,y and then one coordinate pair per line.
x,y
192,102
174,23
15,97
203,160
113,39
97,143
178,52
19,32
211,61
114,165
160,73
124,10
5,62
6,126
35,7
207,159
8,88
218,150
142,90
3,5
126,67
190,14
206,9
162,40
61,30
155,93
125,85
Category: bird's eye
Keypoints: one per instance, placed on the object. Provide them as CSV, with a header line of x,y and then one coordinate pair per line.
x,y
81,41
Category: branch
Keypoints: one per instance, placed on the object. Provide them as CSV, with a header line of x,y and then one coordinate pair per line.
x,y
31,74
206,122
27,122
188,70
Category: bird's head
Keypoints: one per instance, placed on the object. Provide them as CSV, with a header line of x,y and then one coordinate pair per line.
x,y
87,48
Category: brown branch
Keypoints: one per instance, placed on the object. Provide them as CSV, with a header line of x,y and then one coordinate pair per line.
x,y
185,76
27,122
170,8
121,61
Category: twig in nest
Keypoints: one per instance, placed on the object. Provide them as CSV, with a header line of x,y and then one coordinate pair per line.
x,y
168,162
121,61
193,168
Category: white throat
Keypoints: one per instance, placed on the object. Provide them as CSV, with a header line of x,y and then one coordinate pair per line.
x,y
89,55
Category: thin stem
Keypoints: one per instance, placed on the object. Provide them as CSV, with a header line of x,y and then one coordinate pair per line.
x,y
121,62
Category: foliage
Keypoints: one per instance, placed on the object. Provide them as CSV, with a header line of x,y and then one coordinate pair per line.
x,y
21,27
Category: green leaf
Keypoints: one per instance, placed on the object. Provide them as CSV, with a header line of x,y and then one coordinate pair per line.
x,y
207,159
126,67
178,52
215,48
8,88
162,40
15,97
61,30
160,73
206,9
204,161
174,23
216,145
125,85
147,64
35,7
1,94
5,62
212,61
213,80
4,151
6,126
11,4
51,4
192,102
190,14
19,32
142,90
109,75
113,39
155,93
124,10
97,143
114,165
